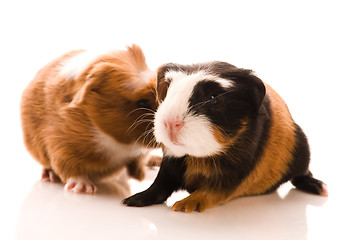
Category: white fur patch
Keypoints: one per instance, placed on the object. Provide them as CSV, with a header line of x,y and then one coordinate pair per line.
x,y
72,67
196,137
224,82
140,81
116,152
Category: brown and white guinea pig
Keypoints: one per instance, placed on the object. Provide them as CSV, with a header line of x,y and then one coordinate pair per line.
x,y
225,134
85,116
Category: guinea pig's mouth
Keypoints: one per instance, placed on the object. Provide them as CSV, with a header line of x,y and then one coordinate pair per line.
x,y
189,135
175,140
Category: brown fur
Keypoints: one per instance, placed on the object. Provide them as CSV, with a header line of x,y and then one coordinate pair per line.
x,y
199,201
205,167
278,150
62,118
224,139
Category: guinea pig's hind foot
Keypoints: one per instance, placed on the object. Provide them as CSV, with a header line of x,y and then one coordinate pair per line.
x,y
48,175
309,184
80,185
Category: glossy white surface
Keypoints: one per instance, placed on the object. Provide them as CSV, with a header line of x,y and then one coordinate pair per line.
x,y
49,213
308,51
44,211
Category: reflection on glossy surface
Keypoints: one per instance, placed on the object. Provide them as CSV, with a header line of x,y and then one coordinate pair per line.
x,y
48,212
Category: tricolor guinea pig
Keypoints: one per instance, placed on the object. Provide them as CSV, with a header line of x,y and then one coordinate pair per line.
x,y
225,134
86,116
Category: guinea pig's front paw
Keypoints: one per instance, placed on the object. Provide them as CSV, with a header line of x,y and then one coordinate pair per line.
x,y
136,200
80,185
195,202
189,205
48,175
145,198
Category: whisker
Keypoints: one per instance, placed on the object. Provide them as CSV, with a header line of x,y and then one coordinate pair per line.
x,y
149,121
224,133
207,101
138,121
150,131
143,135
140,109
151,142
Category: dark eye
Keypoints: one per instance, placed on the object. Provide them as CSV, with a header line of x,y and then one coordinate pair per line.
x,y
213,99
144,103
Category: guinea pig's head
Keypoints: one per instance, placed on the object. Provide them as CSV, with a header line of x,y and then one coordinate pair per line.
x,y
204,106
119,96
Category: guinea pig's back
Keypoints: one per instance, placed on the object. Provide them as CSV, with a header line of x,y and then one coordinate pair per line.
x,y
277,156
36,106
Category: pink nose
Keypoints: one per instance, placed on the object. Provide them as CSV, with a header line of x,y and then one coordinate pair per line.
x,y
173,128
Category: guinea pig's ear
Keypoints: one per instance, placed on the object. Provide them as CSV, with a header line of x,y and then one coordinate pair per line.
x,y
249,85
162,83
257,91
93,81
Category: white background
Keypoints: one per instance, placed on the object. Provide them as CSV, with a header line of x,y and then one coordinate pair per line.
x,y
309,51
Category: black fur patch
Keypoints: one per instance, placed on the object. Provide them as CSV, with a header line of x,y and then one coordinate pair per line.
x,y
233,166
223,107
301,154
169,179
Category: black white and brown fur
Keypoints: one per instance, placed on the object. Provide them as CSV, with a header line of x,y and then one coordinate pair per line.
x,y
225,134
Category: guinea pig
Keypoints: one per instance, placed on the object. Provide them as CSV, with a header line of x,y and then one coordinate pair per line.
x,y
86,116
225,134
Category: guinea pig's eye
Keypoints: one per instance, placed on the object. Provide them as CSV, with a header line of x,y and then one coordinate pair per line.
x,y
144,103
213,99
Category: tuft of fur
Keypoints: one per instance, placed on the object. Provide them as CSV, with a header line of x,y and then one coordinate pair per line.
x,y
87,116
254,145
